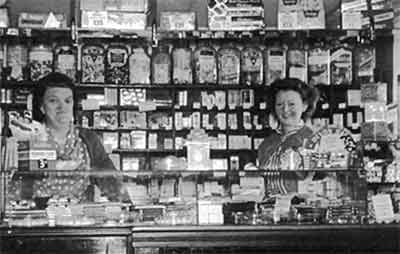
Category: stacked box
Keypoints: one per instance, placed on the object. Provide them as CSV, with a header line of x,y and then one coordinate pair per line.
x,y
36,155
375,127
304,14
116,14
355,14
235,14
177,21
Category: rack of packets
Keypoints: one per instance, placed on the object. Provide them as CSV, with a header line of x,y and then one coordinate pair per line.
x,y
330,147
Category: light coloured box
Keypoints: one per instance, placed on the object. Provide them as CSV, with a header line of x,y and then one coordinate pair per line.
x,y
38,20
114,20
226,15
114,5
177,21
210,213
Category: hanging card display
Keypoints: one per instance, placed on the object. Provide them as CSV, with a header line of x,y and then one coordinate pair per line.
x,y
139,66
117,64
276,65
341,66
228,66
182,66
17,60
297,64
318,66
65,60
252,64
93,67
364,63
205,61
40,61
161,66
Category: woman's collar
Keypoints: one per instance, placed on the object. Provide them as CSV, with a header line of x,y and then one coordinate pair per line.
x,y
280,131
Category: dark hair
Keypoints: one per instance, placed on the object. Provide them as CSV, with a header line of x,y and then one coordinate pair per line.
x,y
308,93
53,79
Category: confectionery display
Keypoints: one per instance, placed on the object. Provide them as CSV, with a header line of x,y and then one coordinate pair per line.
x,y
178,128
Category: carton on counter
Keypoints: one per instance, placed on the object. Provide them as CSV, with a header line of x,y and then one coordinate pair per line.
x,y
36,155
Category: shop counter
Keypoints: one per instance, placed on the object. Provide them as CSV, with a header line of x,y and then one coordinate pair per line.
x,y
214,239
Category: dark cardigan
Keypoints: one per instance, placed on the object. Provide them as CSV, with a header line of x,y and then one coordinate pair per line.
x,y
110,185
99,159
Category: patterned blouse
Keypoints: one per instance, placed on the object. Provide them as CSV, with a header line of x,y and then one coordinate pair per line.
x,y
279,152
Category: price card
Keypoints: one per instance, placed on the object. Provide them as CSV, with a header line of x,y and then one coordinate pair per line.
x,y
90,104
94,19
383,207
342,105
147,106
219,174
354,97
282,204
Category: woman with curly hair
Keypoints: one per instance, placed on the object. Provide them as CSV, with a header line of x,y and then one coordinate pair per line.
x,y
293,103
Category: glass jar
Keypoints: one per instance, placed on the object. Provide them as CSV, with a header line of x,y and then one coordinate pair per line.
x,y
182,65
139,66
161,65
40,61
252,64
65,60
93,67
228,65
205,63
117,64
17,60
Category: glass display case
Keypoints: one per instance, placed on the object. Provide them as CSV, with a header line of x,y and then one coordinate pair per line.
x,y
165,198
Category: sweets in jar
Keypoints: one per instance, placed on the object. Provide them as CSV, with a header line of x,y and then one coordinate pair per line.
x,y
228,65
40,61
117,64
205,65
93,67
139,66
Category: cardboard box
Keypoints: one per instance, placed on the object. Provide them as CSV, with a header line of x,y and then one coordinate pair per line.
x,y
114,5
114,20
235,15
210,213
36,155
177,21
39,20
305,14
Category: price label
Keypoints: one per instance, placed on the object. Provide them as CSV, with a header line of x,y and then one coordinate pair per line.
x,y
219,174
42,163
95,19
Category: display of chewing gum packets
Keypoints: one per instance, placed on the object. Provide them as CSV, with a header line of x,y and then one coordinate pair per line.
x,y
364,63
341,66
177,21
383,19
235,14
355,14
374,92
36,155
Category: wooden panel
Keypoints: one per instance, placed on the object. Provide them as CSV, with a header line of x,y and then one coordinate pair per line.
x,y
340,238
64,245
